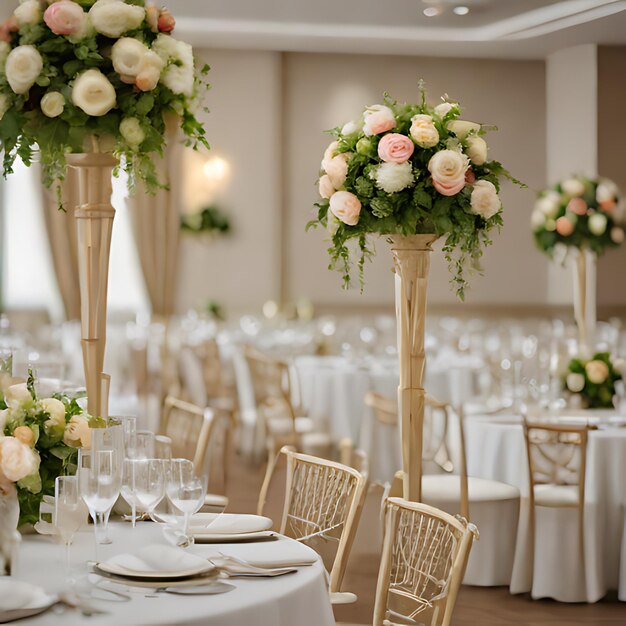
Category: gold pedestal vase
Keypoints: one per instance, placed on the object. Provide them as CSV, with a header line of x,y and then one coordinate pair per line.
x,y
412,263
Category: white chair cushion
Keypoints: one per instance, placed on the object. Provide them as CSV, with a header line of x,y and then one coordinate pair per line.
x,y
314,442
447,488
556,495
283,425
215,500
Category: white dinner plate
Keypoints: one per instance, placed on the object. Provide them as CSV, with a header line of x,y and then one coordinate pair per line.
x,y
20,599
228,523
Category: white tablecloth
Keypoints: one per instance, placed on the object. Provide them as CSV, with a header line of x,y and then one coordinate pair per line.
x,y
496,450
299,598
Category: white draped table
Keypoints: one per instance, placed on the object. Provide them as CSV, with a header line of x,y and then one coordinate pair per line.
x,y
496,450
300,598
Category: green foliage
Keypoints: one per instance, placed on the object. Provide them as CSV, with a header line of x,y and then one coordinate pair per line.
x,y
209,220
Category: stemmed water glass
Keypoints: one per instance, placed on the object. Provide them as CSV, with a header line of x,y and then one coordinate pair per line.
x,y
143,485
69,514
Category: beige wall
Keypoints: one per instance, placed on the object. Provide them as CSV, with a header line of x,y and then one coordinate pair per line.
x,y
323,91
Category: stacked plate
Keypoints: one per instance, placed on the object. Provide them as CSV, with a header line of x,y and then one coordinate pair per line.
x,y
230,528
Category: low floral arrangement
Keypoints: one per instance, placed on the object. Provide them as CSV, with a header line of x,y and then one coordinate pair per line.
x,y
406,169
39,439
593,380
87,75
580,213
210,220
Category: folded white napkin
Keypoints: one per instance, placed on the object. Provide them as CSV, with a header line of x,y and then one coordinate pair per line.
x,y
15,594
228,523
274,554
157,558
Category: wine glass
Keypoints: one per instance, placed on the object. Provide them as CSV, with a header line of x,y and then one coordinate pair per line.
x,y
163,447
185,490
143,485
69,514
144,445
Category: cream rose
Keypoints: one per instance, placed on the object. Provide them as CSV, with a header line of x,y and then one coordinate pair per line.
x,y
127,56
573,187
150,73
16,395
597,371
112,18
423,131
617,234
17,459
325,186
131,130
462,128
22,68
56,410
575,382
477,150
448,169
350,128
28,12
5,104
549,204
393,177
52,104
537,220
484,199
444,108
77,433
346,207
378,119
337,169
25,435
93,93
597,224
606,191
177,57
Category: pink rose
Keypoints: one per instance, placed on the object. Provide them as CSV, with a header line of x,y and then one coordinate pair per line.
x,y
564,226
577,206
448,169
378,119
395,148
345,206
608,206
64,17
470,177
166,21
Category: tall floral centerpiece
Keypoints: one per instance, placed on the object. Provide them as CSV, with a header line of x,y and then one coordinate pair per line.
x,y
415,173
585,216
90,84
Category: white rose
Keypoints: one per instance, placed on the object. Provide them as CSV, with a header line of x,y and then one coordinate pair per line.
x,y
5,48
112,18
617,234
537,220
477,150
575,382
17,459
77,433
393,177
484,199
5,104
573,187
93,93
22,68
28,12
177,56
15,395
52,104
597,371
337,169
597,224
462,128
606,191
127,56
444,108
56,410
378,119
131,130
350,128
325,186
423,131
549,204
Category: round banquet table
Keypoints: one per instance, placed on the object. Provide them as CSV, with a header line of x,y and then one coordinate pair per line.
x,y
496,450
300,598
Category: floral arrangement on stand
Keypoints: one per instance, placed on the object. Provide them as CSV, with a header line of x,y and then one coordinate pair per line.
x,y
39,439
406,169
210,220
94,76
593,381
579,212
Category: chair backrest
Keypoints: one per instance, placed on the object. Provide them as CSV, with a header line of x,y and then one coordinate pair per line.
x,y
424,557
323,503
193,431
209,354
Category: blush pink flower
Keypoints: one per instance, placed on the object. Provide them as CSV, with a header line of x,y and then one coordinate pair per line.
x,y
166,21
447,169
7,28
64,17
395,148
564,226
345,206
608,206
470,177
577,206
378,119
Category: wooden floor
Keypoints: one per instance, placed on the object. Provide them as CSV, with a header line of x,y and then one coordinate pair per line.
x,y
477,606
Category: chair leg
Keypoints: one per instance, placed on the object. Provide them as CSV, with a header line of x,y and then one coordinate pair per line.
x,y
272,459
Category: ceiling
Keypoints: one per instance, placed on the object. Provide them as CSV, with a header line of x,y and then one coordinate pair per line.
x,y
491,28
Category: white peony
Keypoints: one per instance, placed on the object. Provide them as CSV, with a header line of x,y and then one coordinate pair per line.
x,y
22,68
5,104
17,459
549,204
423,131
393,177
127,56
597,224
113,18
477,150
484,199
573,187
350,128
28,12
93,93
52,104
575,382
177,57
131,130
617,234
77,433
537,220
606,191
462,128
